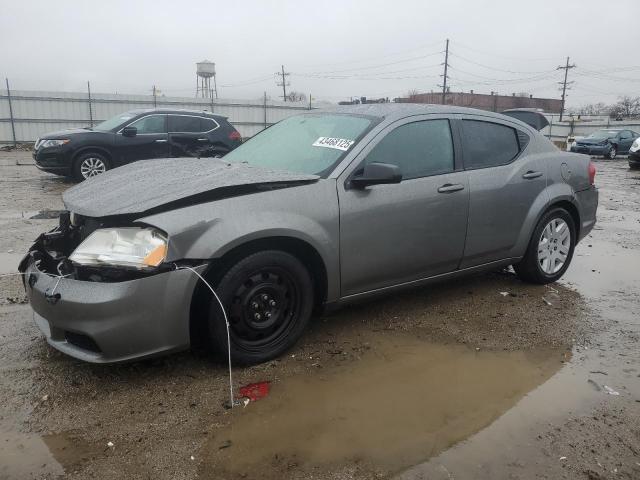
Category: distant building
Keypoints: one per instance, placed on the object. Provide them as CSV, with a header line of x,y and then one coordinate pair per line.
x,y
493,102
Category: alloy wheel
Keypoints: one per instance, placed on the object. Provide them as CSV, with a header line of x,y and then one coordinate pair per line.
x,y
92,166
554,246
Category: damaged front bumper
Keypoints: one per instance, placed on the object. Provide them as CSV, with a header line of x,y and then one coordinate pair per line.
x,y
108,321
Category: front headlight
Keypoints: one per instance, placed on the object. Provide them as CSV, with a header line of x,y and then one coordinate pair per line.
x,y
636,145
53,143
126,247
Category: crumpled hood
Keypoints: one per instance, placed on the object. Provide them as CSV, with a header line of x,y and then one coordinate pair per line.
x,y
151,185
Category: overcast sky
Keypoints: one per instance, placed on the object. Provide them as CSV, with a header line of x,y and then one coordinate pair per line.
x,y
333,49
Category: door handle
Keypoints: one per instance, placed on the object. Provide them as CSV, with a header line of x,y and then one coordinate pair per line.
x,y
450,187
203,139
161,140
531,174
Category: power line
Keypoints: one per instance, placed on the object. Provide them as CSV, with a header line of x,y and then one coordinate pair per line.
x,y
566,69
377,57
499,69
378,65
283,82
521,59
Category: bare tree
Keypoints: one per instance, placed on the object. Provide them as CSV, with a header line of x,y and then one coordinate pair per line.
x,y
411,94
296,96
590,109
625,107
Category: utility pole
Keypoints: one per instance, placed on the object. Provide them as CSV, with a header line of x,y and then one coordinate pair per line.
x,y
564,83
445,76
90,109
283,82
155,102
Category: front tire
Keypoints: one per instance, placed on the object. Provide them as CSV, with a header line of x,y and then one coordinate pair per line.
x,y
550,249
89,165
268,297
613,151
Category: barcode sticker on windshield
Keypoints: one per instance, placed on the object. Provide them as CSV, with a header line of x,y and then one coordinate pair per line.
x,y
337,143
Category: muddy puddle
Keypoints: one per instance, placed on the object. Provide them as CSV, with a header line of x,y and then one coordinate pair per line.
x,y
403,402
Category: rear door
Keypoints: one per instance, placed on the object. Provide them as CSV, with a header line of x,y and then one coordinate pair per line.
x,y
392,234
504,182
150,140
186,135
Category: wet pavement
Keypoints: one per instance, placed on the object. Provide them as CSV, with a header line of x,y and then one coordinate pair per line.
x,y
450,381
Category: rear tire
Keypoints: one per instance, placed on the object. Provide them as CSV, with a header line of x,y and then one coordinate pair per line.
x,y
89,165
550,249
268,297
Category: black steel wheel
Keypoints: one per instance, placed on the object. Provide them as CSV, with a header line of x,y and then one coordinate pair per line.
x,y
268,299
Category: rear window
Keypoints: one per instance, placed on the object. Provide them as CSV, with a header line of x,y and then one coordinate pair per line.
x,y
488,144
184,123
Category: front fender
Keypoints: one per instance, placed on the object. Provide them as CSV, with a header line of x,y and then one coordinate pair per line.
x,y
208,231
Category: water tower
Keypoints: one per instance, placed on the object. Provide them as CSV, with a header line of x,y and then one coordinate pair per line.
x,y
205,71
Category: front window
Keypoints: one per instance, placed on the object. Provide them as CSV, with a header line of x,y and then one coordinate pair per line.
x,y
151,124
114,122
310,144
603,134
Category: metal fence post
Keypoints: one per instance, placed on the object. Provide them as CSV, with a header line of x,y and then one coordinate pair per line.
x,y
13,126
265,109
309,101
90,109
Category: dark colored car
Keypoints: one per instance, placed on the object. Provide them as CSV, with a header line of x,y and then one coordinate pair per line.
x,y
135,135
608,143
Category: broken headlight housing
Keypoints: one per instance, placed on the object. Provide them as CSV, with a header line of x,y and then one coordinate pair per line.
x,y
140,248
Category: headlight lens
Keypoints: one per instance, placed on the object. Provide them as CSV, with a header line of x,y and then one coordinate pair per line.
x,y
140,248
53,143
636,145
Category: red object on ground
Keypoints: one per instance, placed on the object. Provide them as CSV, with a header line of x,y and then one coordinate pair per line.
x,y
255,391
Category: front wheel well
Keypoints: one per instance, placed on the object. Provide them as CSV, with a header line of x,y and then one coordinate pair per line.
x,y
300,249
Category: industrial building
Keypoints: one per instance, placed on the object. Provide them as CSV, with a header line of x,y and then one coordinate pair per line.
x,y
493,101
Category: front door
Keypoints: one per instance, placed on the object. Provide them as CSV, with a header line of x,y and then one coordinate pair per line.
x,y
625,140
150,140
504,183
398,233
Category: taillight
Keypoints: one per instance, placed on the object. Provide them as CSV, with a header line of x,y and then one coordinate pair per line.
x,y
592,173
235,135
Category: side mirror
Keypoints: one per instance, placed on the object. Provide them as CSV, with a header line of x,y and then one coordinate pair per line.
x,y
129,131
376,174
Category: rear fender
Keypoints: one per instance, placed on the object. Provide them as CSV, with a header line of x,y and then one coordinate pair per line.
x,y
551,195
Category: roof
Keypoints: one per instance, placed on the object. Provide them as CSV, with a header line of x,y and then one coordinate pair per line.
x,y
399,110
176,110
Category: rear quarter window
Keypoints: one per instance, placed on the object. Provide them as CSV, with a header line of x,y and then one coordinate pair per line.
x,y
488,144
207,124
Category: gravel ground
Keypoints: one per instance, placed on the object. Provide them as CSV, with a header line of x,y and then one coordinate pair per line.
x,y
470,383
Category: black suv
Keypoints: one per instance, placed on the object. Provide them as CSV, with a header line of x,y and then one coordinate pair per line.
x,y
135,135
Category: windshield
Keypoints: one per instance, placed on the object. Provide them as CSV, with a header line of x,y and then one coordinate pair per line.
x,y
602,134
114,122
310,144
